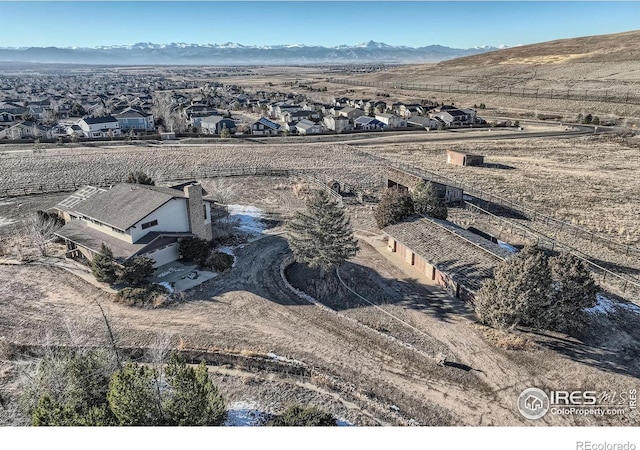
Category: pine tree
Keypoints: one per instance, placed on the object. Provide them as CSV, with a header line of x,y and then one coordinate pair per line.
x,y
519,293
395,206
322,236
193,400
574,289
137,270
102,266
426,201
134,396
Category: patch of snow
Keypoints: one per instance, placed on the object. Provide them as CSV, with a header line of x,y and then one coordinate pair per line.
x,y
247,218
229,251
508,247
4,221
6,203
244,414
283,359
166,285
605,305
169,271
343,422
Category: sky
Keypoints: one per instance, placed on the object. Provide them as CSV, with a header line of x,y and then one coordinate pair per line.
x,y
456,24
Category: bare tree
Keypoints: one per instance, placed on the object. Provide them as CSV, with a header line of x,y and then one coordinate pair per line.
x,y
43,228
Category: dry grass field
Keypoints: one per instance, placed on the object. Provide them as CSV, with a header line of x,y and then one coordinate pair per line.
x,y
592,182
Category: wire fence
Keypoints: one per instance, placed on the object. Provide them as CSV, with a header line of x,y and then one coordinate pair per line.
x,y
529,212
49,188
600,96
614,280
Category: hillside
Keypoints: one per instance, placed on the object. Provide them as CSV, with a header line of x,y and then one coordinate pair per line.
x,y
580,74
608,48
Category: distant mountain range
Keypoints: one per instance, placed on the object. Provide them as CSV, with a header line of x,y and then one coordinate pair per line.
x,y
233,53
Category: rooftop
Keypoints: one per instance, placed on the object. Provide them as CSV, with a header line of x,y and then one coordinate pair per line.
x,y
465,256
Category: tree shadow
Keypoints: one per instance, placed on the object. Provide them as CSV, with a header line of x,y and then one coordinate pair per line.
x,y
615,360
497,166
499,210
407,292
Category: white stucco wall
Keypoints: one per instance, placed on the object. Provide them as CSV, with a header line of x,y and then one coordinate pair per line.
x,y
164,255
171,217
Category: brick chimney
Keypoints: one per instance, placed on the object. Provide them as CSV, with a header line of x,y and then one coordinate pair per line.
x,y
195,211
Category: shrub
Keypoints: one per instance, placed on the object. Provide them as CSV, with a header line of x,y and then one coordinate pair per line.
x,y
141,296
139,177
137,270
395,206
219,261
193,249
297,416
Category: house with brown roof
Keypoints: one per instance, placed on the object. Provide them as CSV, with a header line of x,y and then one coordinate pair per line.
x,y
134,220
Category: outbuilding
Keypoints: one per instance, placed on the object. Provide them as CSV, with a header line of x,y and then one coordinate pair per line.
x,y
464,159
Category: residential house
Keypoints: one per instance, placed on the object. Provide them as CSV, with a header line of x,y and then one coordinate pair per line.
x,y
26,130
297,116
215,124
423,122
457,117
339,124
100,127
265,127
411,110
135,119
368,123
391,120
350,113
134,220
308,127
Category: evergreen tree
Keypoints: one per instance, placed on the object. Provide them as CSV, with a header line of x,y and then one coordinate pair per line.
x,y
134,396
574,289
297,416
137,270
193,399
395,206
322,236
519,293
102,266
139,177
72,390
193,249
426,201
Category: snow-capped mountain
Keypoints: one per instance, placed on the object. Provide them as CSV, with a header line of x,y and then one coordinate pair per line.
x,y
227,53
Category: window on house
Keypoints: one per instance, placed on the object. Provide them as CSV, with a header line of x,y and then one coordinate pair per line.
x,y
204,207
146,225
